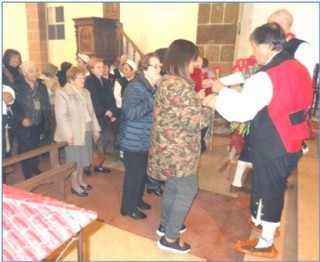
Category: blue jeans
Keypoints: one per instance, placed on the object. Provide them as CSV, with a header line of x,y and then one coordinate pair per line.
x,y
177,198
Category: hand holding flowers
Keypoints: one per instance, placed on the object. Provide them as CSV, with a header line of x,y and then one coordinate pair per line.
x,y
210,101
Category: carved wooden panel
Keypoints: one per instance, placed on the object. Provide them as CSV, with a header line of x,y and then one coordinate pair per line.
x,y
98,37
86,39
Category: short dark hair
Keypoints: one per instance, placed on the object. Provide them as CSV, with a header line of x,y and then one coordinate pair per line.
x,y
8,54
271,34
178,57
65,66
205,62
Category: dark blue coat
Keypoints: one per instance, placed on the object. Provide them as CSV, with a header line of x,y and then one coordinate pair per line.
x,y
136,116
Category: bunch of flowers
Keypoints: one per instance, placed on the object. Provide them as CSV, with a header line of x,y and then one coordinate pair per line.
x,y
247,67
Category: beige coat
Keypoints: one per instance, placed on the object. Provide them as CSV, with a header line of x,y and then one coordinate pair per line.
x,y
69,116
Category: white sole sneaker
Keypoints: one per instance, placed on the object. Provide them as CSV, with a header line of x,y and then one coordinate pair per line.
x,y
173,249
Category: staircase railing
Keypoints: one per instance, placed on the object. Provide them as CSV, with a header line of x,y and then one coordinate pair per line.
x,y
128,47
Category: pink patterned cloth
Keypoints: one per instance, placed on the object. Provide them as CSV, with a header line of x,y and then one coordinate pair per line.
x,y
34,225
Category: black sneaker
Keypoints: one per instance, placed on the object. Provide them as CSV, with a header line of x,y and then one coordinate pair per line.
x,y
86,171
161,230
174,247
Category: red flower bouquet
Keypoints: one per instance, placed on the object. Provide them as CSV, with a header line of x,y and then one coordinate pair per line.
x,y
247,67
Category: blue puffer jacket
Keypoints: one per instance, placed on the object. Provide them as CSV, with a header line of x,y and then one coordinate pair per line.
x,y
136,116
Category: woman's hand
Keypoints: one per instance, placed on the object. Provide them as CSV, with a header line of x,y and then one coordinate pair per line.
x,y
96,136
217,85
7,97
210,101
70,141
113,119
108,114
206,83
201,94
26,122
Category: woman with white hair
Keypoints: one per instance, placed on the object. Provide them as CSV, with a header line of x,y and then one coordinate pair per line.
x,y
31,114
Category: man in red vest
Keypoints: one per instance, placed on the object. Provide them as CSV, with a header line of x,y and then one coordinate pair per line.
x,y
276,99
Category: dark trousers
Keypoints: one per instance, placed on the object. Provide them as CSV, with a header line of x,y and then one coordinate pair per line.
x,y
27,143
203,141
4,121
153,184
134,180
269,184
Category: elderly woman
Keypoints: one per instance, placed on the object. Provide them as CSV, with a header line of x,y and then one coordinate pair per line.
x,y
31,114
134,134
77,124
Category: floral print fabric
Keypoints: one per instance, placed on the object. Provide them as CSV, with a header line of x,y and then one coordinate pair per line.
x,y
175,137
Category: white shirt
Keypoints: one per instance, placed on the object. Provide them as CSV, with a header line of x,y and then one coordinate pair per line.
x,y
240,107
117,94
7,89
305,56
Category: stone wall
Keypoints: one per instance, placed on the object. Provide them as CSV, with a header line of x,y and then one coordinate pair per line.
x,y
216,33
216,39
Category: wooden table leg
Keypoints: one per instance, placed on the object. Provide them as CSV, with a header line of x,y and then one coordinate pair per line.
x,y
80,246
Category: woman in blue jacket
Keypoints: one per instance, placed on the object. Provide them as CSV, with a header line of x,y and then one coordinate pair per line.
x,y
134,134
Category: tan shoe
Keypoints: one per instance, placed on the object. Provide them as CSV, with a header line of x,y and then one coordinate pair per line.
x,y
249,247
258,228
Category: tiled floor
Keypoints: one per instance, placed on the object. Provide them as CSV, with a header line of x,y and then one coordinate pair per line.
x,y
300,220
299,238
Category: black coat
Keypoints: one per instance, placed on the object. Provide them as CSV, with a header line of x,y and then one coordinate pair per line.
x,y
20,106
102,98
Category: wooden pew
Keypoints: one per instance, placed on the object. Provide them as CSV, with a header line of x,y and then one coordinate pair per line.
x,y
49,183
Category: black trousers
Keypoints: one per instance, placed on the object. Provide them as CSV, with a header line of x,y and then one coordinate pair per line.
x,y
269,184
27,143
134,180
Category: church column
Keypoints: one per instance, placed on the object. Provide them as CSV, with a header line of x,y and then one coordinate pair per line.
x,y
37,33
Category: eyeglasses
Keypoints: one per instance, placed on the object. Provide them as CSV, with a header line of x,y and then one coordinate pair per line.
x,y
81,77
156,66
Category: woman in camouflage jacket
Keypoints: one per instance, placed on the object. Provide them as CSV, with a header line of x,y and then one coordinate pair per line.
x,y
175,149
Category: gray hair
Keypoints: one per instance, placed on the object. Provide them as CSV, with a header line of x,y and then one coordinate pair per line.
x,y
26,65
